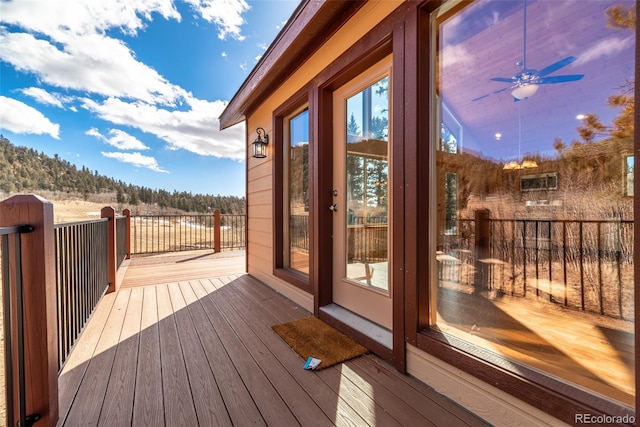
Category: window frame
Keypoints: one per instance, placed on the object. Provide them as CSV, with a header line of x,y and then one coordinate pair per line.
x,y
297,103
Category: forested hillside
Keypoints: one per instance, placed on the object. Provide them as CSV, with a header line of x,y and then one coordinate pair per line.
x,y
26,170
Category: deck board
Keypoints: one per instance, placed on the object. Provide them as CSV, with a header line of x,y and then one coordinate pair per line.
x,y
240,405
78,361
303,407
171,350
178,405
148,407
208,401
117,408
90,397
272,408
326,398
176,267
265,312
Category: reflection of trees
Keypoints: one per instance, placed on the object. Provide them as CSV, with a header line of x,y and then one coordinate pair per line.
x,y
622,127
355,171
377,176
298,182
595,163
367,148
367,165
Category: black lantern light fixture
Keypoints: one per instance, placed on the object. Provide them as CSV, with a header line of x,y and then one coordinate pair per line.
x,y
260,144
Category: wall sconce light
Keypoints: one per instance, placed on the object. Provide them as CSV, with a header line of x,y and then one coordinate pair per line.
x,y
260,144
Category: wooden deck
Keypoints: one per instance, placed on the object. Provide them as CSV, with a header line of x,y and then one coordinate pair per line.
x,y
187,341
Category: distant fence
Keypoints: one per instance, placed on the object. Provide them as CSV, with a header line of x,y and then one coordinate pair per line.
x,y
174,233
584,265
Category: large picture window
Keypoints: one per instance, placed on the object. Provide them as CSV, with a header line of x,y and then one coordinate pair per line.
x,y
533,237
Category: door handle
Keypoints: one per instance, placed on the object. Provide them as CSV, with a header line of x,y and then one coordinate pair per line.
x,y
333,207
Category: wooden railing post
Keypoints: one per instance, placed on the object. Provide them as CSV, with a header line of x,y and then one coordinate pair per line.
x,y
127,214
112,266
216,231
39,305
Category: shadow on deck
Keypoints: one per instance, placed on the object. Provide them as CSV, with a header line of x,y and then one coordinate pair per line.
x,y
187,341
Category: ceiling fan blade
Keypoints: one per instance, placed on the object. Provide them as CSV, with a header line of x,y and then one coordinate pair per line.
x,y
489,94
556,66
502,79
560,79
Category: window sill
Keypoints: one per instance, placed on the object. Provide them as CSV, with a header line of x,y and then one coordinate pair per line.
x,y
295,278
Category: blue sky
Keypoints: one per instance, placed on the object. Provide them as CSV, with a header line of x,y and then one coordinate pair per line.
x,y
133,88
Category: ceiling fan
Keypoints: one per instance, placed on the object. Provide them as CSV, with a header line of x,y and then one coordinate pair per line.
x,y
526,82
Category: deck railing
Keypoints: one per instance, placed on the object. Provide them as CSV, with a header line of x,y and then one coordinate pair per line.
x,y
233,231
29,312
67,269
579,264
122,232
175,233
12,311
81,277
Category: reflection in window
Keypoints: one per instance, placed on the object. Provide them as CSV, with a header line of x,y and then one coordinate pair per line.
x,y
629,175
450,132
367,177
297,192
449,142
534,249
451,203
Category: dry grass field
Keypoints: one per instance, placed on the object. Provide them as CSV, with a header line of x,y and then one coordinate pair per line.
x,y
73,207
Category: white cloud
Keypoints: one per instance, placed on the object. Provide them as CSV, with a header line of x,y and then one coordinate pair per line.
x,y
606,47
61,18
68,45
64,43
43,97
92,63
456,54
226,14
137,160
119,139
195,130
19,118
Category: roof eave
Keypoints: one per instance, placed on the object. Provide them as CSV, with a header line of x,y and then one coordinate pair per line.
x,y
293,45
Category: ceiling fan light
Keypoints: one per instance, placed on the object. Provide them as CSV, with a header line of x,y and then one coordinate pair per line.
x,y
524,91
